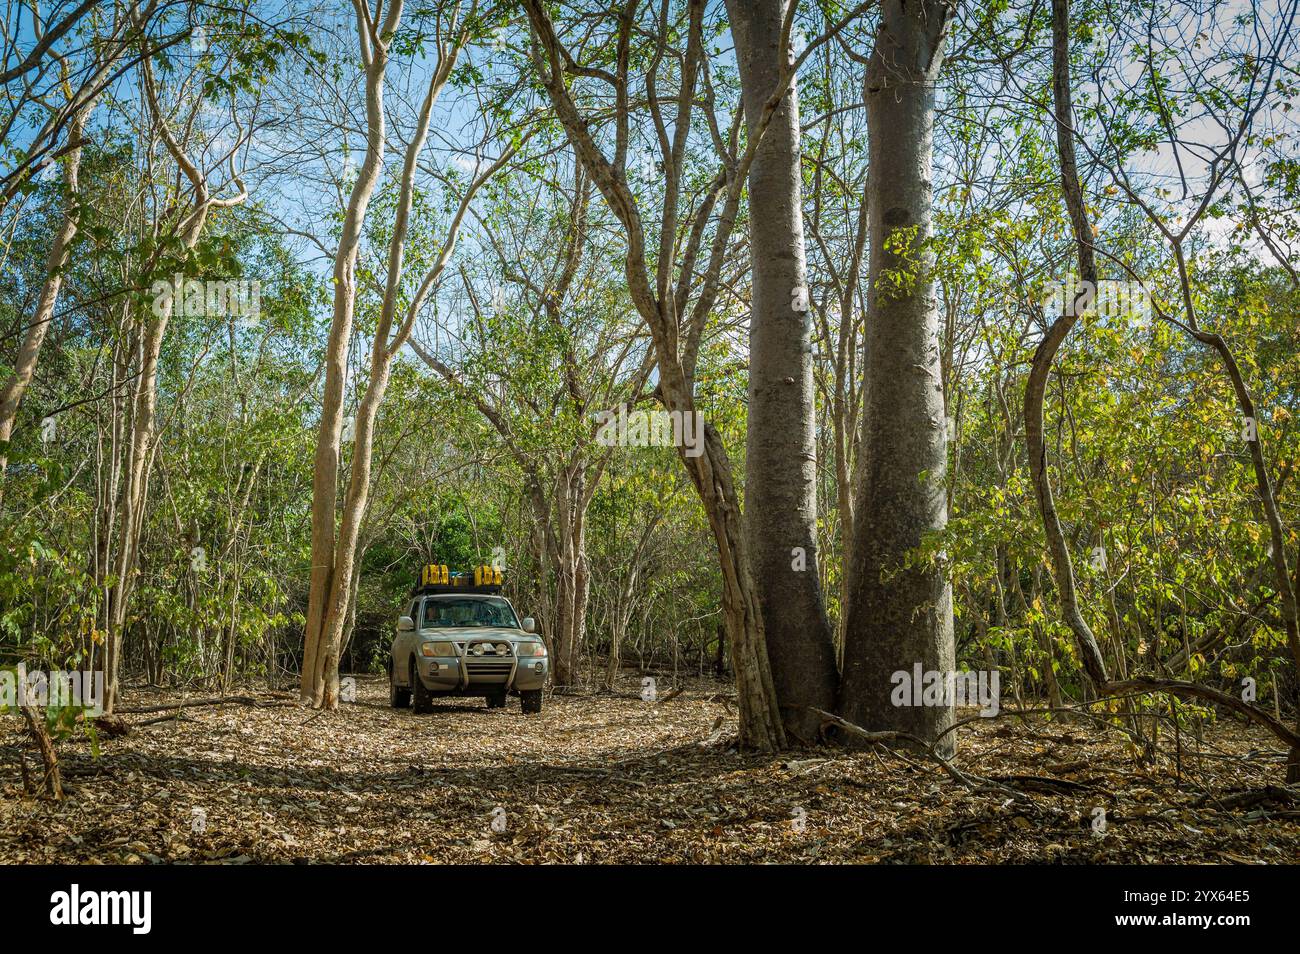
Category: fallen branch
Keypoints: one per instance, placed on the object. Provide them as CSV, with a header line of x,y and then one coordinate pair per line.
x,y
1141,685
1192,690
972,782
217,701
1052,786
177,716
1253,797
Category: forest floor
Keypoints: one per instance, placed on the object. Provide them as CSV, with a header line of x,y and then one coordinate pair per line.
x,y
612,778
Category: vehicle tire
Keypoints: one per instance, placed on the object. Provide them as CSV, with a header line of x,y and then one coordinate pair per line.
x,y
421,698
398,697
530,701
496,700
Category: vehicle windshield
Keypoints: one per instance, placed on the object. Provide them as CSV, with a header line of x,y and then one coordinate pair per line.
x,y
460,611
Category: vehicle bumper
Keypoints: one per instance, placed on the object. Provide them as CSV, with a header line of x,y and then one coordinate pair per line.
x,y
528,676
468,677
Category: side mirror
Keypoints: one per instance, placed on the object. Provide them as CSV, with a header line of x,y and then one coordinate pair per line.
x,y
530,625
405,624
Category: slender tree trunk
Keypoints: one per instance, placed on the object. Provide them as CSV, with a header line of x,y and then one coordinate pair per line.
x,y
30,350
761,725
139,457
617,632
1036,386
141,446
760,718
582,569
541,546
581,576
343,558
52,780
900,610
563,674
559,542
1277,535
844,504
333,572
781,449
312,688
134,496
566,572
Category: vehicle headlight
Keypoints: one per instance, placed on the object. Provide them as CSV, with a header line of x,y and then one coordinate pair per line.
x,y
438,649
530,649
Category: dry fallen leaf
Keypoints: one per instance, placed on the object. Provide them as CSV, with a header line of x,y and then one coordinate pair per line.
x,y
601,778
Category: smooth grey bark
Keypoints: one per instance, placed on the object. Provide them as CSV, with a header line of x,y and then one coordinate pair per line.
x,y
781,448
900,611
374,42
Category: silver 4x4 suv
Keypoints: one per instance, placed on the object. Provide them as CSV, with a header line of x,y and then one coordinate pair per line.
x,y
462,638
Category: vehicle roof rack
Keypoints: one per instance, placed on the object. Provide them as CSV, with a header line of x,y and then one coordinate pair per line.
x,y
436,580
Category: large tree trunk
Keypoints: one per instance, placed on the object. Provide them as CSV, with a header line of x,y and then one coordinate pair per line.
x,y
29,351
900,611
781,461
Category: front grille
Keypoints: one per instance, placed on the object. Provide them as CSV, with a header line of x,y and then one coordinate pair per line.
x,y
488,667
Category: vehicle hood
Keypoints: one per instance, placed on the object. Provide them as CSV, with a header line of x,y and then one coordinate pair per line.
x,y
464,634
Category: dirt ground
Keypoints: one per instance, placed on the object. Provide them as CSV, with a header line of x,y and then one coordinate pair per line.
x,y
613,778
